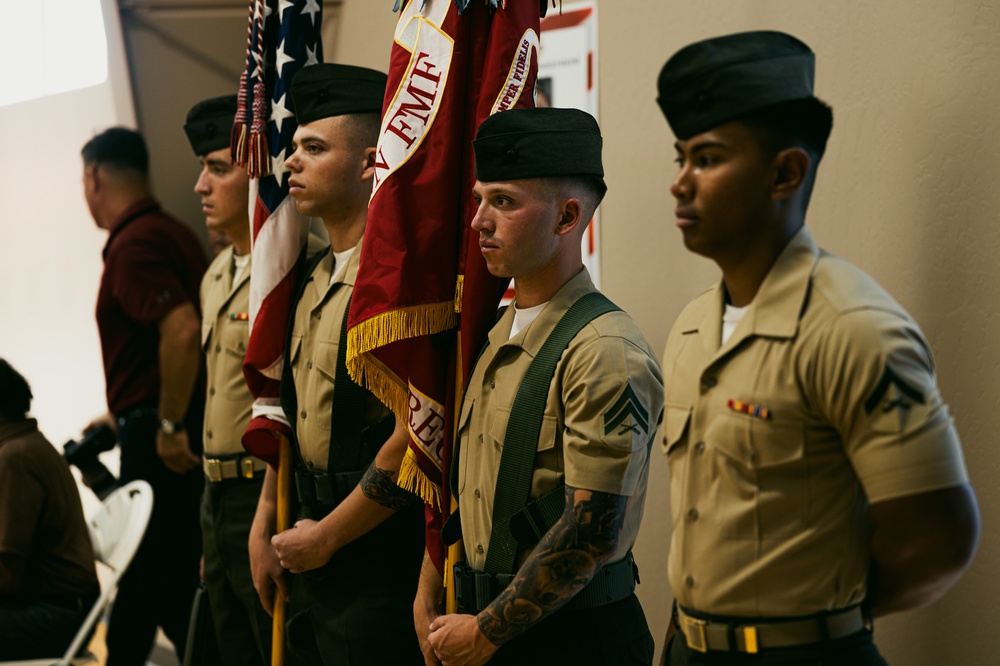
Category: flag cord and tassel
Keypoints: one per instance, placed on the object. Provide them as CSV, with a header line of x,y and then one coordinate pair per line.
x,y
257,161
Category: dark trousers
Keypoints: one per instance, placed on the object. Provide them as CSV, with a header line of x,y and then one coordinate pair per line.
x,y
615,634
854,650
358,609
159,585
41,629
242,626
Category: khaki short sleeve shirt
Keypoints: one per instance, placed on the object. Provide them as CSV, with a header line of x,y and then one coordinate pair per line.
x,y
824,399
225,327
600,416
315,340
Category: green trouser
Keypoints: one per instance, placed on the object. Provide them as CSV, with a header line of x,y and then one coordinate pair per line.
x,y
242,626
358,608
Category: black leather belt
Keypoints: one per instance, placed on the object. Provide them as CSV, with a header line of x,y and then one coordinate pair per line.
x,y
475,590
323,490
751,635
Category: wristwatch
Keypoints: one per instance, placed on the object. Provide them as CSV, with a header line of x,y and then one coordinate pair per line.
x,y
168,427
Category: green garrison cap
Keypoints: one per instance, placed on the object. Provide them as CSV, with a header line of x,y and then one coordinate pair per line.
x,y
209,122
714,81
537,143
327,89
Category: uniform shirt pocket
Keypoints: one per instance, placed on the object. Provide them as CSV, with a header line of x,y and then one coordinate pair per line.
x,y
763,473
234,344
501,419
325,364
676,419
467,439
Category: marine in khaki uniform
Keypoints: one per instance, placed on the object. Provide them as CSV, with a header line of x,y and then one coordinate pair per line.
x,y
356,548
816,478
561,591
233,479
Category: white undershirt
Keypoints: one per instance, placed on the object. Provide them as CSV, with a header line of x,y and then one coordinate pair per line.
x,y
523,317
730,318
340,260
239,265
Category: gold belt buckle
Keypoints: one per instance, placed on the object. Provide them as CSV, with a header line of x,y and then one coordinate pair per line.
x,y
213,470
248,467
694,632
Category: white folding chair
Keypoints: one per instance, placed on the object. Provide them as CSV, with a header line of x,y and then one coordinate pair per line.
x,y
115,532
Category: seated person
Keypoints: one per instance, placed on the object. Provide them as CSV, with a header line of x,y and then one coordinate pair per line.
x,y
48,582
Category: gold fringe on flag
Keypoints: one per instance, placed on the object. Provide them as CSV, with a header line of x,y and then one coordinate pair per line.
x,y
382,330
368,371
408,322
413,479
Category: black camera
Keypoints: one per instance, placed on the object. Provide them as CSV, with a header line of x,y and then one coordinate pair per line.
x,y
83,455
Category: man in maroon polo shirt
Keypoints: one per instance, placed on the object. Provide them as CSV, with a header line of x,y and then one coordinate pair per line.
x,y
149,324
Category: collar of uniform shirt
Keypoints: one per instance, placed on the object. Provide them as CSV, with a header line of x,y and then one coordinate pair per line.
x,y
524,316
340,260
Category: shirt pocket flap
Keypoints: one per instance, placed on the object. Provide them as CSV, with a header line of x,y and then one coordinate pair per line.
x,y
675,424
757,443
326,358
234,337
206,334
293,348
465,414
546,433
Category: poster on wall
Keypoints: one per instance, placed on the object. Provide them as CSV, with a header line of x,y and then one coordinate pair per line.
x,y
567,78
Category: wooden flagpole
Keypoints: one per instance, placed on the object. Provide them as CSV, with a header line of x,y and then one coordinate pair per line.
x,y
282,521
456,549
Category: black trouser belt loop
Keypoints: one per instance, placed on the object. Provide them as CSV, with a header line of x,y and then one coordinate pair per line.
x,y
475,590
752,635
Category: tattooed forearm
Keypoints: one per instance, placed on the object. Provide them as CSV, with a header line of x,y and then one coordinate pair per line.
x,y
561,565
378,486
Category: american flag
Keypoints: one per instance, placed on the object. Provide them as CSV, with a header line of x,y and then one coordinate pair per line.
x,y
283,36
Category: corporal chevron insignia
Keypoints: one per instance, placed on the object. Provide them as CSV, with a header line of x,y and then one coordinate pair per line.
x,y
627,405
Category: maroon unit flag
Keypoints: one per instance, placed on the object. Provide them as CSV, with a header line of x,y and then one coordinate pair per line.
x,y
423,300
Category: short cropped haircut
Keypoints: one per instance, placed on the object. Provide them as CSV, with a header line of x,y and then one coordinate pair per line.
x,y
592,187
15,394
803,123
364,128
118,147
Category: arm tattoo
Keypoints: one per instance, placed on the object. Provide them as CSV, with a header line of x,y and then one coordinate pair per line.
x,y
561,565
379,486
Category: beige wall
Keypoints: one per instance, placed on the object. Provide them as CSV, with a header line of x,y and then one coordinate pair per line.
x,y
907,191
